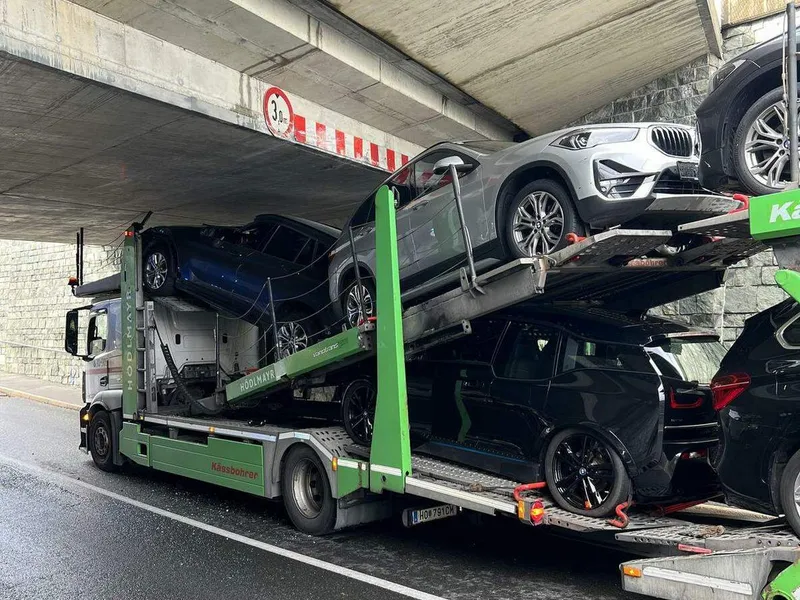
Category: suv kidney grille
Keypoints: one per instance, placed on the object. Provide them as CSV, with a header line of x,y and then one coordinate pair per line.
x,y
672,140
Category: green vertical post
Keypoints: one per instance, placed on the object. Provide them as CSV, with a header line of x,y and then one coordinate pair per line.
x,y
390,456
128,295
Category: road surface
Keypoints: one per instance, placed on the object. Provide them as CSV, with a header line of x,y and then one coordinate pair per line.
x,y
70,530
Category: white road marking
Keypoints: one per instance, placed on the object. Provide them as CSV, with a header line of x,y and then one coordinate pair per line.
x,y
314,562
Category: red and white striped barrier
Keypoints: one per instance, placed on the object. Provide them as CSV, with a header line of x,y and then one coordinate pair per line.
x,y
283,121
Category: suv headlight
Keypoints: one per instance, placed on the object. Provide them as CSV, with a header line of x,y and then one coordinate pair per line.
x,y
579,140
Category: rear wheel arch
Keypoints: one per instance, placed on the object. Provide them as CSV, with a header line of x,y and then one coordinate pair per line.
x,y
349,276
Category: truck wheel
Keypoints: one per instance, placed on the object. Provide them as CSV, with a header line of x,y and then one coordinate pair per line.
x,y
358,410
100,441
584,474
790,492
159,270
307,492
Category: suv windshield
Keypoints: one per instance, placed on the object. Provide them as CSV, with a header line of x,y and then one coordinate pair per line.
x,y
688,359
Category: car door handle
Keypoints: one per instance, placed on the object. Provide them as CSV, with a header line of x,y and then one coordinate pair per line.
x,y
471,384
104,380
420,205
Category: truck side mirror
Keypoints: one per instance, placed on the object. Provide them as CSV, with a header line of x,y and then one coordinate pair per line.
x,y
71,332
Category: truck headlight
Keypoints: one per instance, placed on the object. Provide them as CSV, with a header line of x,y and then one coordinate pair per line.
x,y
578,140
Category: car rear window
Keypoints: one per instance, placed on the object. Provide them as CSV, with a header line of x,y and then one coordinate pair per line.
x,y
687,359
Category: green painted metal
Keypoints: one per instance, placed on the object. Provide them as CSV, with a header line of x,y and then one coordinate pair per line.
x,y
132,441
390,455
785,585
775,215
322,354
128,293
238,465
351,478
790,282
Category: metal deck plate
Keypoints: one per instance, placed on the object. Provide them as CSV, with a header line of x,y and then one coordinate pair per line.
x,y
715,537
729,249
177,304
603,246
731,225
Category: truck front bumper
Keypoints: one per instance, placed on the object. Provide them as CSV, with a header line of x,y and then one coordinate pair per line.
x,y
84,420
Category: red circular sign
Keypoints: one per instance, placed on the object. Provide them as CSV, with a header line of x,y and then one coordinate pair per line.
x,y
278,112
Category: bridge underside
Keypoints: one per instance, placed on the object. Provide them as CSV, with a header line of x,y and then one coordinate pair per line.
x,y
75,153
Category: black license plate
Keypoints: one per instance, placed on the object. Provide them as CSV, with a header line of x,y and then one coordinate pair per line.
x,y
687,170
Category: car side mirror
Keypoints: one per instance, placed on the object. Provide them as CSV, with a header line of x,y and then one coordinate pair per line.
x,y
443,166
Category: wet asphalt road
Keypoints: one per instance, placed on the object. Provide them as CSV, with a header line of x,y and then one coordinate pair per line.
x,y
59,539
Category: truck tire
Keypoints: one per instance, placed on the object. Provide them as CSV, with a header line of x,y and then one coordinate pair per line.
x,y
584,474
101,445
789,481
307,492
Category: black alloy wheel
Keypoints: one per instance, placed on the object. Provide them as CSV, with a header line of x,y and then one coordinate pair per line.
x,y
358,410
585,475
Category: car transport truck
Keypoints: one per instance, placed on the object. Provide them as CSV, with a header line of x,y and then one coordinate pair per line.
x,y
174,386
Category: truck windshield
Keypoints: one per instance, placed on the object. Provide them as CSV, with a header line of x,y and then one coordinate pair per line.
x,y
688,359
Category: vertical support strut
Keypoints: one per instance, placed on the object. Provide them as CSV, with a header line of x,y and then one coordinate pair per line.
x,y
278,353
791,91
464,229
133,338
390,456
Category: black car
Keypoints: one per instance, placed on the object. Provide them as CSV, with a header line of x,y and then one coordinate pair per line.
x,y
757,394
741,124
601,405
228,268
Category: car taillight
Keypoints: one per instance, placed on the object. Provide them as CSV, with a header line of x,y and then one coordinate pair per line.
x,y
726,388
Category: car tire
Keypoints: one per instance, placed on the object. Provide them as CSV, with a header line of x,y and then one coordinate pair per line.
x,y
297,330
525,233
100,441
158,270
307,492
574,461
740,153
790,479
358,410
352,315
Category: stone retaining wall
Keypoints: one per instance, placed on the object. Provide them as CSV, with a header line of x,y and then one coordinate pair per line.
x,y
35,297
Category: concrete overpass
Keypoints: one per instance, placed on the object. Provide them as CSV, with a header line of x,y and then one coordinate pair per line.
x,y
114,107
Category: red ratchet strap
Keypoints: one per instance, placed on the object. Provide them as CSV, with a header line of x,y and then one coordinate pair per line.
x,y
574,238
622,518
745,200
527,487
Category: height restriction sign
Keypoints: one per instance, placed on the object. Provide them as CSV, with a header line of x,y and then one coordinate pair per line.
x,y
278,112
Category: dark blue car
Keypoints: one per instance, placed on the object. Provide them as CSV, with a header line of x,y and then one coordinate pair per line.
x,y
227,268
